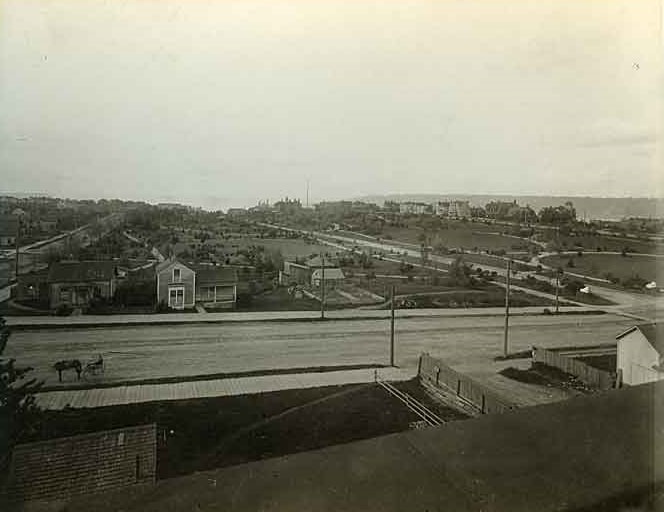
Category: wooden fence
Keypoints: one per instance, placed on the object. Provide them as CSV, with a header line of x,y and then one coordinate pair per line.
x,y
600,379
438,373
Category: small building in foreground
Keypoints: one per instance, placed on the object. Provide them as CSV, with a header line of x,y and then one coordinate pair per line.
x,y
640,351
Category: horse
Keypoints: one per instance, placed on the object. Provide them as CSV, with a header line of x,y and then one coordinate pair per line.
x,y
67,364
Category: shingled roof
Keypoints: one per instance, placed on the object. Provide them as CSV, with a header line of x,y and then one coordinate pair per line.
x,y
211,274
81,271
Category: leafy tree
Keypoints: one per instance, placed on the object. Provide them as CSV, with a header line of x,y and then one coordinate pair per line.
x,y
18,411
460,274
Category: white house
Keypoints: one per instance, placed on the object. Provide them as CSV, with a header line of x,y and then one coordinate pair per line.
x,y
639,356
333,277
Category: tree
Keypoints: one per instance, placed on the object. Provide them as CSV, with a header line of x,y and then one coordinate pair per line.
x,y
18,411
460,274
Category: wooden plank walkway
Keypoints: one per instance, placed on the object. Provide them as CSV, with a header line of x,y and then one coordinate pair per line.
x,y
102,397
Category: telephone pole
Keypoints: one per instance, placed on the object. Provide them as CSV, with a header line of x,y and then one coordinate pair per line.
x,y
392,327
557,286
18,213
507,309
322,287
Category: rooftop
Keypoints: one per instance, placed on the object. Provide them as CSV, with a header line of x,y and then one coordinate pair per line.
x,y
564,456
214,274
653,332
81,271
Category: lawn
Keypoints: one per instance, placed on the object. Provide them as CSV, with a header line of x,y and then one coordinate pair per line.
x,y
464,235
278,300
422,294
194,435
604,242
290,247
605,265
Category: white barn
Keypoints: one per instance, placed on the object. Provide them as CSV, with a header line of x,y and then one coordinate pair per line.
x,y
639,356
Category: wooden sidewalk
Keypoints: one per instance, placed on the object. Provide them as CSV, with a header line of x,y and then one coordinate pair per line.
x,y
102,397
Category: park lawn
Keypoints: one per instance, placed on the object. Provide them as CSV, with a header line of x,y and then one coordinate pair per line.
x,y
600,265
290,248
460,235
482,260
604,242
390,268
382,286
277,300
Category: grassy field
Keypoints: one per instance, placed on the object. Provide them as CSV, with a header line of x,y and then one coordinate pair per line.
x,y
290,247
464,235
603,242
600,265
278,300
195,435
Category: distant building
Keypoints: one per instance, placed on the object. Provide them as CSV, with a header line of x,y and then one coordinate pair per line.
x,y
640,352
459,209
414,208
294,273
181,286
8,227
443,208
302,273
453,209
48,224
76,283
332,277
236,212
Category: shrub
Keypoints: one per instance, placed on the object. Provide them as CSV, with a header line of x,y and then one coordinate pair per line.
x,y
64,310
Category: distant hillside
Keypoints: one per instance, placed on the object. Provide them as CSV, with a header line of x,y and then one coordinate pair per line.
x,y
604,208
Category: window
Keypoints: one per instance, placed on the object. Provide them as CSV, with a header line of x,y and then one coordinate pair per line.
x,y
176,275
64,294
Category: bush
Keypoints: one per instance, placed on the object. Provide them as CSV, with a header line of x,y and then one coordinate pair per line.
x,y
64,310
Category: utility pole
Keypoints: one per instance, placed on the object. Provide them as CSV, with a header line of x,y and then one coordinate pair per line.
x,y
392,326
307,193
557,286
322,287
18,213
18,232
507,309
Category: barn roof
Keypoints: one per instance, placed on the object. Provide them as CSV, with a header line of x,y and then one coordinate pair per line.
x,y
653,332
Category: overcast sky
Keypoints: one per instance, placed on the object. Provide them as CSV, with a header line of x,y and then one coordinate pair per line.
x,y
231,101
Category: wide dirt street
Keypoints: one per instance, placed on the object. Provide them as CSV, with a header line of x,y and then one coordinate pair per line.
x,y
467,344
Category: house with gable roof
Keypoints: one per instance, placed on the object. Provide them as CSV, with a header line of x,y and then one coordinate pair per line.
x,y
181,286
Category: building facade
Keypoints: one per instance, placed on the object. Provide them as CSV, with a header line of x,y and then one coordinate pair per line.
x,y
176,284
639,356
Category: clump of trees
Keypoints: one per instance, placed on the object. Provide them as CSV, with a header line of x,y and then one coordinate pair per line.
x,y
461,274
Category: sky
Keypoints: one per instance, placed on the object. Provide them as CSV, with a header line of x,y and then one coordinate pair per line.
x,y
226,102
